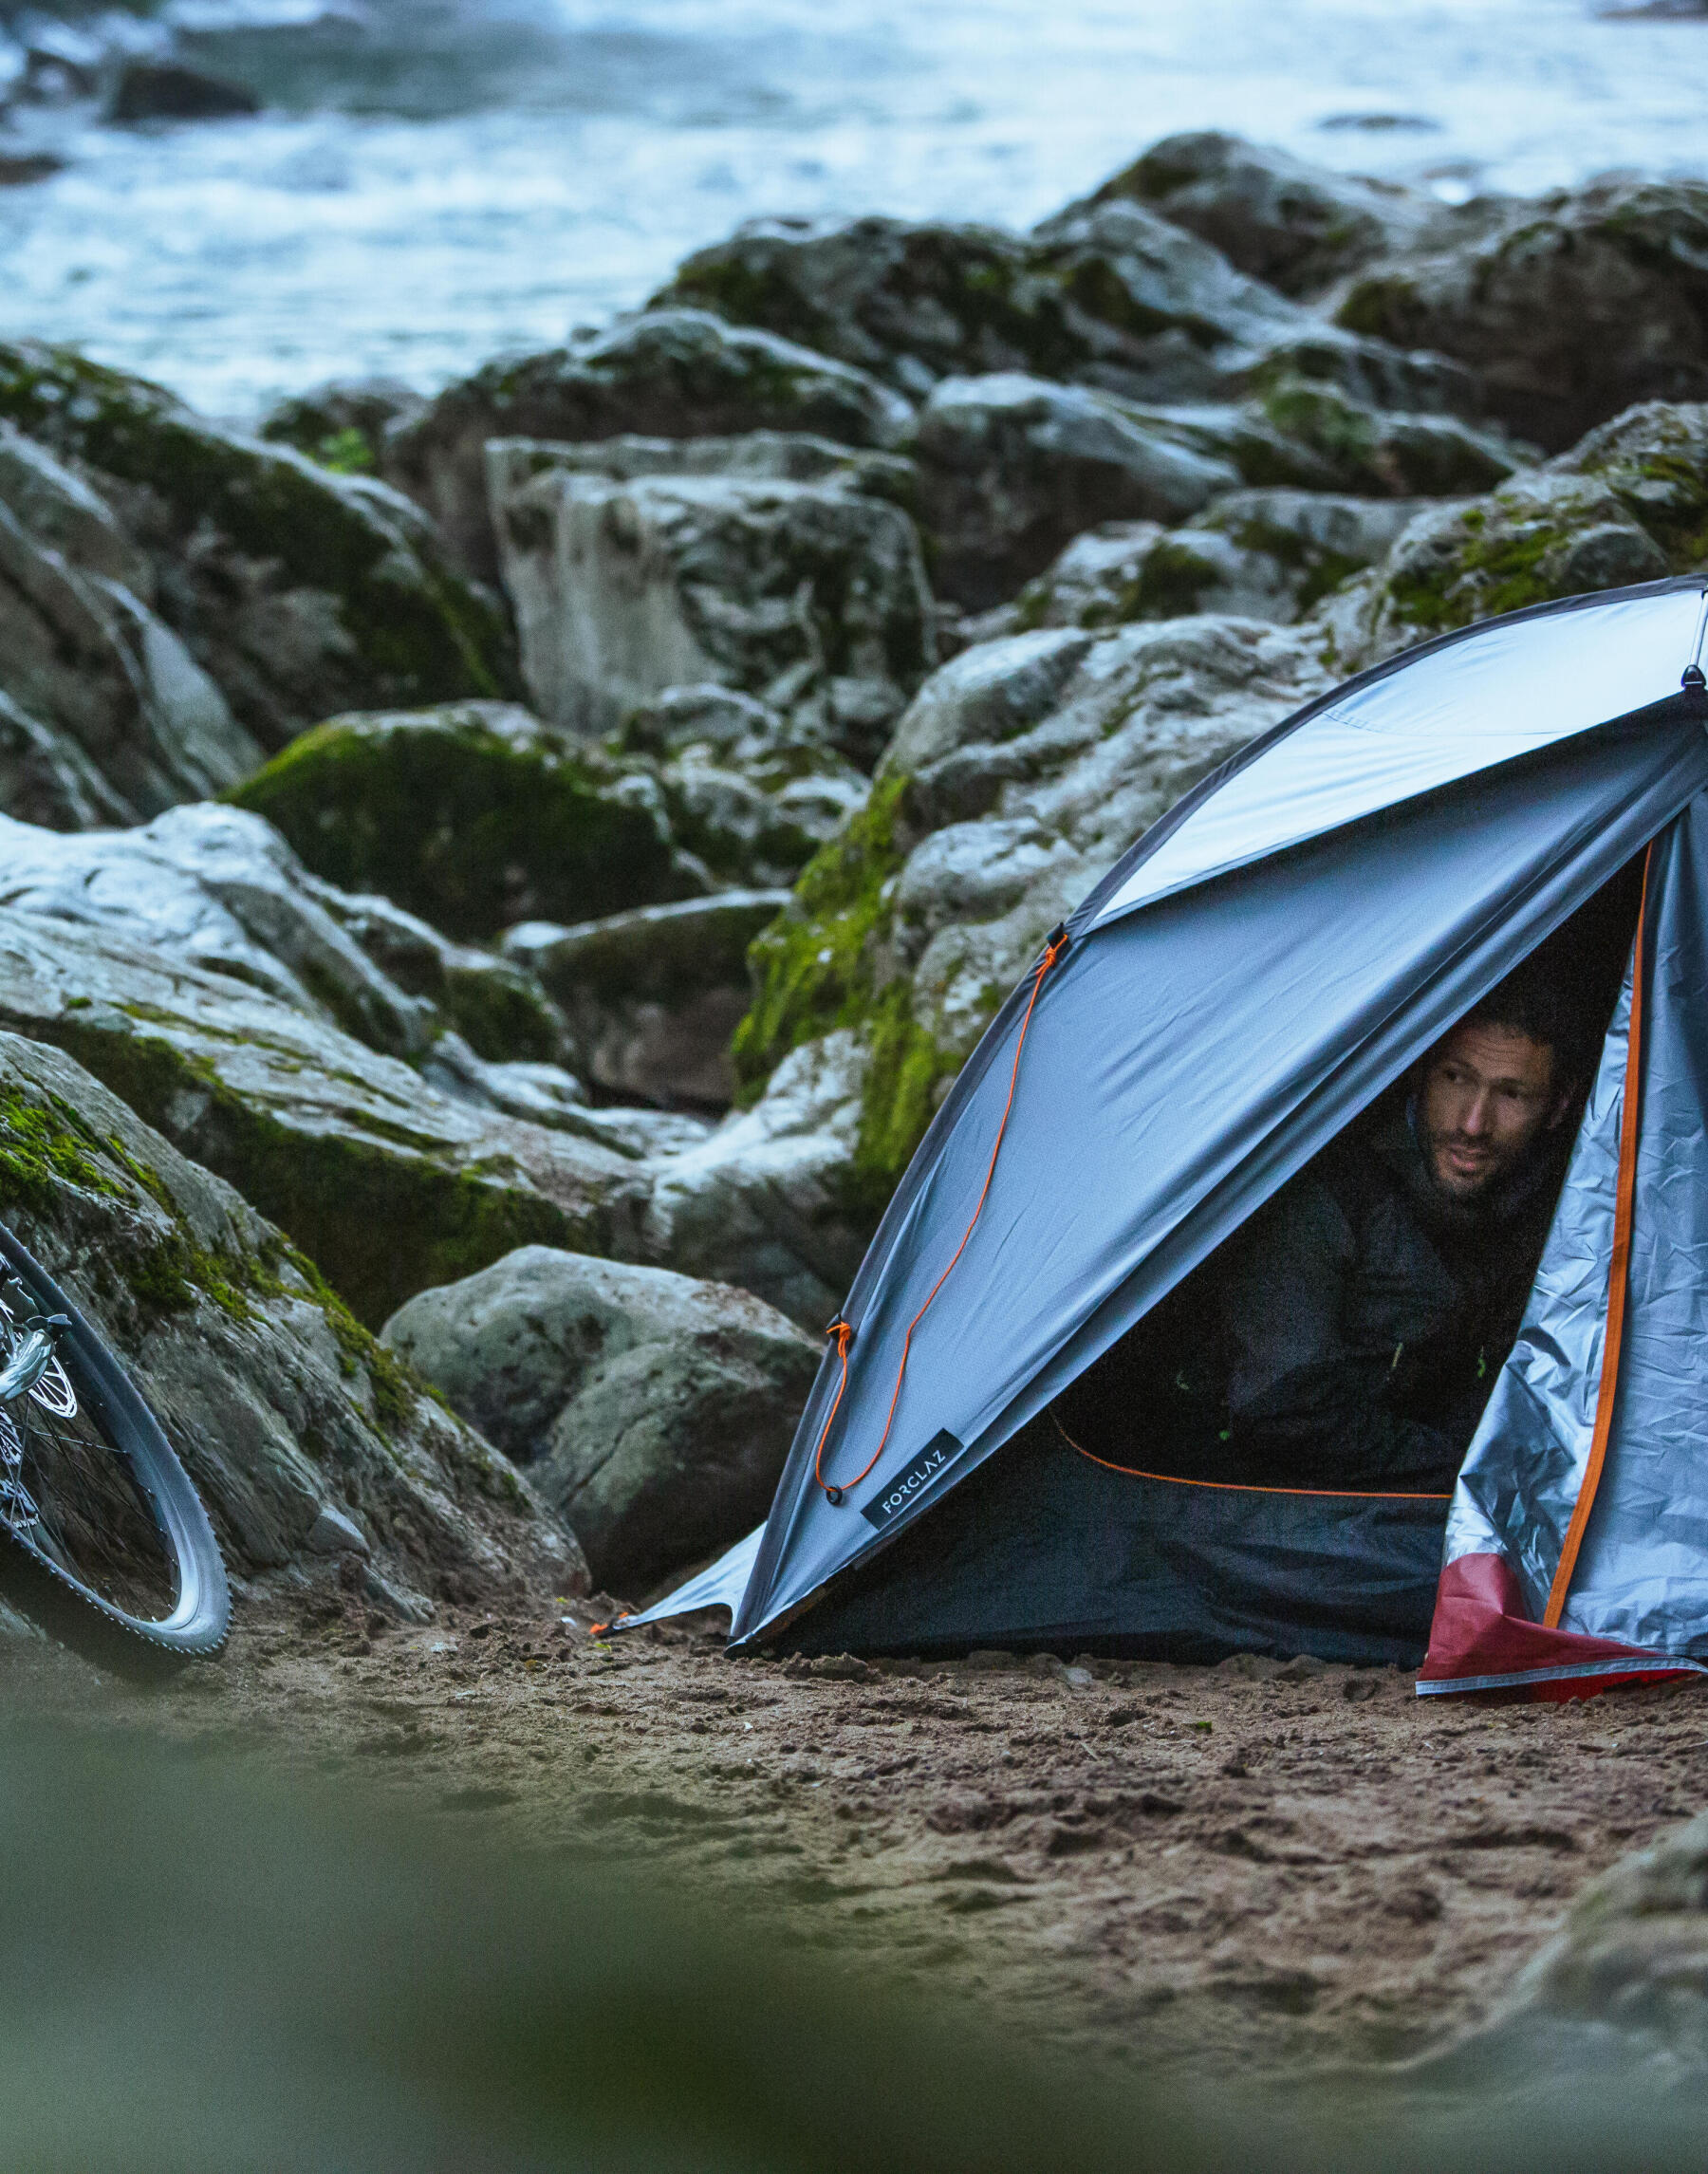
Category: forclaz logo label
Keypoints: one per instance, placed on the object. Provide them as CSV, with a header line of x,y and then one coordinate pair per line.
x,y
896,1494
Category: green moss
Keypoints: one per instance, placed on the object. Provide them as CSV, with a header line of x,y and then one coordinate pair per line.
x,y
818,968
1323,418
44,1147
346,452
744,292
811,967
419,631
381,1224
904,1073
1170,584
502,1013
1492,573
462,824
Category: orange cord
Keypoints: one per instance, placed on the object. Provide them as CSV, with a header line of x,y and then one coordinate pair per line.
x,y
1617,1277
1239,1487
845,1333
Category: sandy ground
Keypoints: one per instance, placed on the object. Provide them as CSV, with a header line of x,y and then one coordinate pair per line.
x,y
1254,1866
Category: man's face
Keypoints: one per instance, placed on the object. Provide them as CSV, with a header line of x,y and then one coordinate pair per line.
x,y
1488,1092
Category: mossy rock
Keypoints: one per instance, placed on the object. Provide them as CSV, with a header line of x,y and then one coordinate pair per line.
x,y
821,965
279,1401
388,1184
473,816
283,546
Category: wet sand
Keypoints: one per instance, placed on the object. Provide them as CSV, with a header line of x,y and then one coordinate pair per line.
x,y
1262,1867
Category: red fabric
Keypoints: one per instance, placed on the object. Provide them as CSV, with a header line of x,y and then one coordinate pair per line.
x,y
1480,1630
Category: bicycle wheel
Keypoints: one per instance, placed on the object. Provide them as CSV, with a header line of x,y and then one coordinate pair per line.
x,y
90,1490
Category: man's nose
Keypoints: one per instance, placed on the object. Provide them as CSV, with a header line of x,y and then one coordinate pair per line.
x,y
1477,1112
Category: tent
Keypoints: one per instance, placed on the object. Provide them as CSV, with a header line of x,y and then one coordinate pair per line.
x,y
1262,964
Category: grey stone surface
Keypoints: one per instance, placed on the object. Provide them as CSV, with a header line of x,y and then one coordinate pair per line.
x,y
388,1182
653,1410
763,1204
1283,219
652,998
667,373
1255,554
292,1423
1012,467
807,596
297,592
110,715
1628,504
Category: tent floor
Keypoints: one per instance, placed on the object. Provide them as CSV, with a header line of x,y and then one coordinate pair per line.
x,y
1044,1550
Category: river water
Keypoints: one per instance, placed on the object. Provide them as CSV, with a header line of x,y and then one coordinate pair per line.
x,y
438,181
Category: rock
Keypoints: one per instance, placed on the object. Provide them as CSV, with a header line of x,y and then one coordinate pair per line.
x,y
1367,448
387,1183
496,1008
1595,298
166,91
1106,293
765,1202
807,596
1168,318
1628,504
667,373
474,815
215,888
652,1410
1258,554
1010,468
1281,219
909,301
45,777
1021,771
343,424
333,1533
1625,1982
653,998
297,592
20,169
294,1423
133,721
756,456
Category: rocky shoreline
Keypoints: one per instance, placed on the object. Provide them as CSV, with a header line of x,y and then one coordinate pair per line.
x,y
493,887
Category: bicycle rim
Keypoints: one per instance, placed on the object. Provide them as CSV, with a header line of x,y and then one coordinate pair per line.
x,y
90,1490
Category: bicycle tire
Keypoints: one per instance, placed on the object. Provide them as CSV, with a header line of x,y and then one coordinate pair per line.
x,y
119,1456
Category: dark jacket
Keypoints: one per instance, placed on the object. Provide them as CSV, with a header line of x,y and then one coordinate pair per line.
x,y
1365,1313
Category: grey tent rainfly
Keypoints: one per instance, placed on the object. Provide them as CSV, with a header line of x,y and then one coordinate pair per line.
x,y
1261,967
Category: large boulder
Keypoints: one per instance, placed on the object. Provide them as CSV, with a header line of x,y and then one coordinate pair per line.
x,y
301,1432
668,373
1020,772
652,1410
652,998
1596,298
1106,293
298,592
807,595
1628,504
1298,226
385,1180
473,816
909,301
122,721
